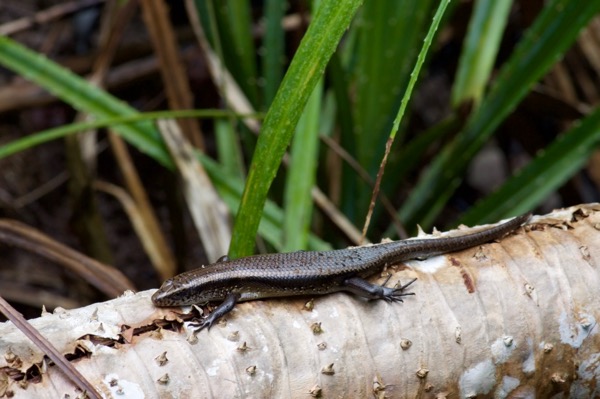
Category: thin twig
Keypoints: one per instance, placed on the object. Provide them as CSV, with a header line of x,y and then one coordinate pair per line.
x,y
49,350
107,279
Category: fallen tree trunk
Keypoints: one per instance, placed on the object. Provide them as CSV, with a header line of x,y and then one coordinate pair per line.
x,y
514,318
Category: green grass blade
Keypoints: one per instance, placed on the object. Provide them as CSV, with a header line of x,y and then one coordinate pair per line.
x,y
33,140
302,175
380,72
320,41
228,149
239,23
388,37
554,30
410,86
545,174
227,25
81,95
273,49
417,68
479,50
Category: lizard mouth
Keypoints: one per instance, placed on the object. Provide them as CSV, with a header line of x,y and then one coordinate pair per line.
x,y
160,297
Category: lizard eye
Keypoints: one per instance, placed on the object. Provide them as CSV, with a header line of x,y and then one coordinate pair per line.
x,y
223,258
167,285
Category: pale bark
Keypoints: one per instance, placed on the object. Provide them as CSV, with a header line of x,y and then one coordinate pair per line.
x,y
514,318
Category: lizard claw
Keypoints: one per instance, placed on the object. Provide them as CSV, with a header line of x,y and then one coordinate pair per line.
x,y
396,294
369,290
216,314
203,323
198,326
402,287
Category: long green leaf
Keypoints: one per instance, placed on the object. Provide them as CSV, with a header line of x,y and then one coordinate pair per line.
x,y
274,49
552,33
532,185
302,175
237,22
228,27
387,37
388,40
228,148
417,67
411,84
479,50
58,132
81,95
322,37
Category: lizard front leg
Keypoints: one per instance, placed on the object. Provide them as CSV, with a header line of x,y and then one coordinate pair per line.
x,y
221,310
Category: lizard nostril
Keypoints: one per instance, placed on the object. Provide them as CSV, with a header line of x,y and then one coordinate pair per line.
x,y
156,296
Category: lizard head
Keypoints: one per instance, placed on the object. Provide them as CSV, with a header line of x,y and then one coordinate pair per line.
x,y
185,289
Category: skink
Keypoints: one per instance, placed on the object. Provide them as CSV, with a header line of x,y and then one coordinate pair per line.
x,y
310,272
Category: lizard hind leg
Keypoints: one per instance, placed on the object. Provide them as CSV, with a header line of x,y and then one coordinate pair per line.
x,y
369,290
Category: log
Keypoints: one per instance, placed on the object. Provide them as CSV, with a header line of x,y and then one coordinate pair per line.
x,y
513,318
